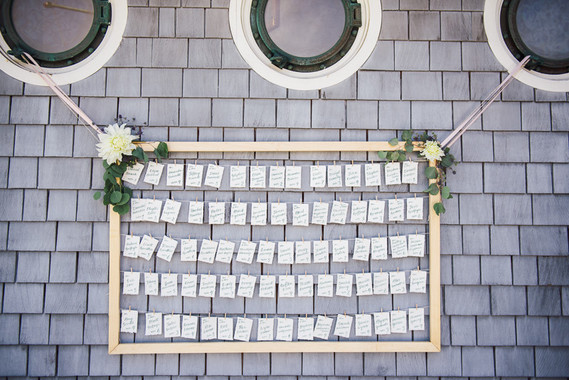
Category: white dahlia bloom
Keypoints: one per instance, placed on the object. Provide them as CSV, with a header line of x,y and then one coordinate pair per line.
x,y
115,142
432,151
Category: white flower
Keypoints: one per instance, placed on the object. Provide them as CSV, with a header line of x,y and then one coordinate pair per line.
x,y
432,151
115,142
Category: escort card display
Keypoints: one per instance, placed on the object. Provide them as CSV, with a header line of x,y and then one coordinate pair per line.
x,y
257,256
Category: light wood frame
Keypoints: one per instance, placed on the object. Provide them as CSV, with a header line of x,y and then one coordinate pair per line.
x,y
433,345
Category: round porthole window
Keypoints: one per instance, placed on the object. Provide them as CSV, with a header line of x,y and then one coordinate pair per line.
x,y
540,29
305,44
70,39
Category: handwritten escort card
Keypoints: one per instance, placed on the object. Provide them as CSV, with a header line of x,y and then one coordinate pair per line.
x,y
258,177
318,176
277,177
361,249
320,213
224,252
334,176
171,325
238,177
305,285
153,173
363,284
129,321
258,214
415,208
359,212
376,211
325,285
195,214
409,172
246,286
379,248
265,329
300,214
147,247
278,214
305,329
175,175
321,251
363,324
344,285
381,323
131,283
243,329
152,212
397,282
353,175
216,212
169,285
208,328
302,252
208,250
137,209
285,253
266,252
293,177
246,252
194,175
151,284
418,281
323,327
339,212
284,329
189,285
398,246
372,174
131,244
417,319
214,176
189,249
393,173
267,286
238,213
396,210
340,251
170,211
208,284
381,283
343,325
167,248
153,324
225,328
416,246
132,173
398,321
286,286
189,327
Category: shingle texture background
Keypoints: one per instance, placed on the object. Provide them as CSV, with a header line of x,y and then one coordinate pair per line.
x,y
505,265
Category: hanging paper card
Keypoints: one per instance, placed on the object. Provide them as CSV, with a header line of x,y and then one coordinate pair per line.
x,y
416,246
343,325
415,208
214,176
340,251
379,248
318,176
147,247
265,329
246,252
267,286
361,249
209,328
216,212
169,285
381,283
418,281
359,212
398,246
278,214
302,252
189,285
194,175
227,286
137,209
152,212
321,251
325,285
225,250
393,173
167,248
286,286
189,249
417,319
153,173
373,174
225,328
363,324
320,213
195,215
323,327
129,321
300,215
277,177
396,210
175,175
171,325
132,173
170,211
207,251
305,329
207,285
243,329
344,285
286,252
131,244
363,284
334,176
258,177
339,212
305,285
258,214
293,177
376,211
238,177
151,284
246,286
398,321
131,283
189,327
382,323
397,282
238,213
266,252
153,324
284,329
353,175
409,172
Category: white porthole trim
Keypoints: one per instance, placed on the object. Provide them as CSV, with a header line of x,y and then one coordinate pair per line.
x,y
363,46
547,82
80,70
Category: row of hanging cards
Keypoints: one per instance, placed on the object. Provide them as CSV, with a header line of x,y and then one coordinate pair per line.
x,y
287,252
308,328
274,177
280,213
289,286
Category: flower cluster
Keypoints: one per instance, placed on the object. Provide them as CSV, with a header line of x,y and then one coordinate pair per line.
x,y
115,142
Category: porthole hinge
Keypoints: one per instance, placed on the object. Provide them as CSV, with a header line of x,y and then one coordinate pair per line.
x,y
104,12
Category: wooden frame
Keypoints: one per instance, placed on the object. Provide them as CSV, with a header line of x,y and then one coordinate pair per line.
x,y
434,345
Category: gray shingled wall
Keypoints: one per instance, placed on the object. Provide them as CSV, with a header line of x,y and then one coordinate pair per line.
x,y
505,271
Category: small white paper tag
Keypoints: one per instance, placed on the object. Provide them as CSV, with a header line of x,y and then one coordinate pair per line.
x,y
334,176
129,321
302,252
131,244
398,246
376,211
398,321
132,173
363,324
284,329
382,324
415,208
393,173
194,175
373,174
131,283
300,214
238,177
417,319
396,210
267,286
418,281
153,173
189,285
258,177
381,283
359,212
216,212
397,282
286,286
208,328
318,176
353,175
189,327
225,328
171,325
189,249
285,253
293,177
147,247
246,252
137,209
246,286
343,325
167,248
238,213
325,285
363,284
323,327
340,251
151,284
320,213
266,252
409,172
208,284
361,249
265,329
175,175
416,246
379,248
170,211
258,214
321,251
344,285
227,286
339,212
214,175
195,214
153,324
225,251
278,214
305,285
305,329
243,329
277,177
169,285
152,212
208,250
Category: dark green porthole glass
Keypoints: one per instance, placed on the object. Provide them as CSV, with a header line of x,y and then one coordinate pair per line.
x,y
57,33
539,29
305,35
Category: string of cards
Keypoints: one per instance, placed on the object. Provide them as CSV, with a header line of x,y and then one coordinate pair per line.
x,y
224,328
280,177
371,211
288,252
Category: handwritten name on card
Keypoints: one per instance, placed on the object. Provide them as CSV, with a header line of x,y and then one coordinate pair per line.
x,y
393,173
153,173
372,174
238,213
266,252
302,252
417,319
171,325
284,329
169,285
265,329
153,324
398,246
398,321
225,250
305,285
227,286
381,283
243,329
379,248
207,285
361,249
320,213
382,323
225,328
344,285
267,286
131,282
293,177
353,175
409,172
415,208
343,325
195,215
132,173
334,176
151,284
277,177
258,214
238,177
147,246
318,176
300,214
376,211
167,248
214,175
325,285
170,211
397,282
340,251
189,285
258,177
131,244
216,212
194,175
189,249
323,327
416,246
246,286
189,327
137,209
208,328
246,252
363,284
321,251
339,212
396,210
152,211
286,286
359,212
208,250
278,214
418,281
285,252
305,329
175,175
129,321
363,324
